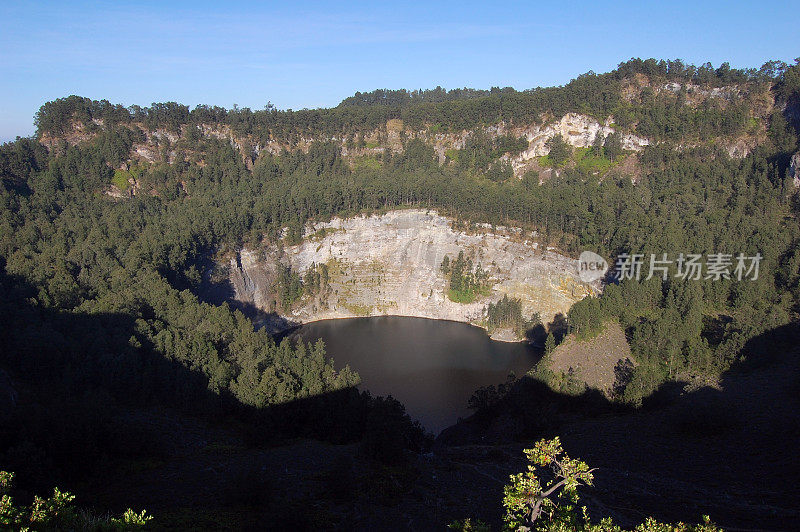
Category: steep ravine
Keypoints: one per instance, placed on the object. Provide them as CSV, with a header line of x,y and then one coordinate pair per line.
x,y
390,265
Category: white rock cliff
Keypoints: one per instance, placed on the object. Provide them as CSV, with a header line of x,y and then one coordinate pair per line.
x,y
390,265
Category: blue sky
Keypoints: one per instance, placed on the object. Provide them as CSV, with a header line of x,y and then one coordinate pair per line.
x,y
306,54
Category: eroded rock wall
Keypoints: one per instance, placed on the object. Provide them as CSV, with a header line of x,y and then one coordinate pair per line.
x,y
390,265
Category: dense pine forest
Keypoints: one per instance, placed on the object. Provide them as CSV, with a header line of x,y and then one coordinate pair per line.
x,y
102,249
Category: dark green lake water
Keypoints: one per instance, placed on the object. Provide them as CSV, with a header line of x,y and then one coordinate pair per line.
x,y
431,366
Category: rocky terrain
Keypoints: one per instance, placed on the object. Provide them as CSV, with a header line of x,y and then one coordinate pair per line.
x,y
578,130
390,265
592,361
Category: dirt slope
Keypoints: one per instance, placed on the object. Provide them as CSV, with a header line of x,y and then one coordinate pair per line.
x,y
593,361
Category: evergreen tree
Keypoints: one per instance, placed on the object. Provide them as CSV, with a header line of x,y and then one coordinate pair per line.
x,y
560,151
549,344
613,146
597,144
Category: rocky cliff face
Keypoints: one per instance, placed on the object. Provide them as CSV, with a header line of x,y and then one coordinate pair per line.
x,y
577,130
390,265
794,169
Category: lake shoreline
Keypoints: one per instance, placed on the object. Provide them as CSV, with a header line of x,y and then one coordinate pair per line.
x,y
504,335
431,366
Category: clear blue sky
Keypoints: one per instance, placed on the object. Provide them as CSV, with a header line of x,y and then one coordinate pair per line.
x,y
301,54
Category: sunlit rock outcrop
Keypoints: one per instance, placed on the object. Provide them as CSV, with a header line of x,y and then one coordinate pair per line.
x,y
390,265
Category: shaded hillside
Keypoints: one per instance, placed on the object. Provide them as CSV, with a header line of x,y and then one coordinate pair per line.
x,y
726,452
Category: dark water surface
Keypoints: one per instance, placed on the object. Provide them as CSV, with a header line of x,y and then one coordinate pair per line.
x,y
431,366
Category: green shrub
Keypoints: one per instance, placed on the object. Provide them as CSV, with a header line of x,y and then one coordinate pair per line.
x,y
120,179
58,513
545,498
464,284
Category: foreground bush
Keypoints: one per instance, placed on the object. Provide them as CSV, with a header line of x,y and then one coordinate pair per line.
x,y
545,498
58,513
